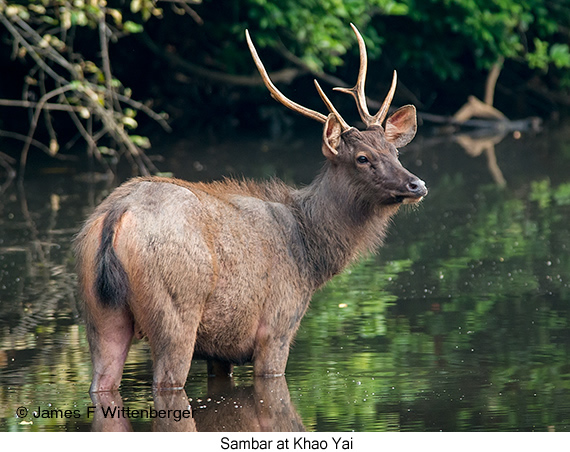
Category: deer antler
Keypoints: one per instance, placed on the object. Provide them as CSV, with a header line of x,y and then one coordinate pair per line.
x,y
280,97
330,106
357,91
381,115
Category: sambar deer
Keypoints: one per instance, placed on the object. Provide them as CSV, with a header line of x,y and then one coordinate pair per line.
x,y
225,270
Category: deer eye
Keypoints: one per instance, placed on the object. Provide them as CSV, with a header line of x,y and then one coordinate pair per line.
x,y
362,159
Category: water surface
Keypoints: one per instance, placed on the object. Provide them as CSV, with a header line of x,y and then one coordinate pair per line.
x,y
461,322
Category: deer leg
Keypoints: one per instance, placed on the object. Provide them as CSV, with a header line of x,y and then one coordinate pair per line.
x,y
271,360
172,364
220,368
109,333
271,353
171,332
172,351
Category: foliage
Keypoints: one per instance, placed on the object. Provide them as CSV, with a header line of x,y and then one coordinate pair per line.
x,y
318,30
44,34
443,35
434,35
65,48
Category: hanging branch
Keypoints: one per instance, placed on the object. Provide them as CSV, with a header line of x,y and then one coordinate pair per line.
x,y
46,106
96,99
34,123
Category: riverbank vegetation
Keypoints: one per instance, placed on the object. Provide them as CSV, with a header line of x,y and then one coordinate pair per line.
x,y
106,72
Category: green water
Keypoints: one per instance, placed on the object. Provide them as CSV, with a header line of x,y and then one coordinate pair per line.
x,y
460,323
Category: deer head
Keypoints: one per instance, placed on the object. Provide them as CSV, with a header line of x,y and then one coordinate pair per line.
x,y
370,155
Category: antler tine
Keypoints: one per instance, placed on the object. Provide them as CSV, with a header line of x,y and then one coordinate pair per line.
x,y
357,91
275,93
330,106
381,115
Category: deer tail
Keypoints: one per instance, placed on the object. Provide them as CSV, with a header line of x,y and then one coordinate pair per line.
x,y
112,281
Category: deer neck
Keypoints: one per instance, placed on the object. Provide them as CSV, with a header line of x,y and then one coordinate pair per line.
x,y
338,222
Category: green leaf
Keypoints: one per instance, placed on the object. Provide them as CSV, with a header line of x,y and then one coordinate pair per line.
x,y
130,123
560,55
539,58
140,141
132,27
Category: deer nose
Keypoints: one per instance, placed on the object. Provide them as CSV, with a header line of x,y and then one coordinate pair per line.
x,y
417,187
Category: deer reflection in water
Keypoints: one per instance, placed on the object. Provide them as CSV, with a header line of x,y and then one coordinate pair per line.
x,y
263,407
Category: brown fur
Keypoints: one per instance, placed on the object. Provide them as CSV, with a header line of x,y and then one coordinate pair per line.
x,y
225,270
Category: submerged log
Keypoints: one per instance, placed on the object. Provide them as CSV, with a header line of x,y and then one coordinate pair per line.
x,y
486,116
475,108
532,123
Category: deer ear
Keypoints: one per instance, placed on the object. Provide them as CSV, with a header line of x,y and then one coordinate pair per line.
x,y
331,137
401,126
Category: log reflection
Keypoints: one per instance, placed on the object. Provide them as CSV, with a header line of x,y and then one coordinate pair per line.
x,y
476,144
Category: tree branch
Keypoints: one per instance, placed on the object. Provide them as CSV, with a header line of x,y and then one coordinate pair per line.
x,y
33,125
18,38
331,79
284,76
36,143
492,81
142,107
46,106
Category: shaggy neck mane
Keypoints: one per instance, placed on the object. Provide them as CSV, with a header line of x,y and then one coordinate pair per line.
x,y
338,222
272,190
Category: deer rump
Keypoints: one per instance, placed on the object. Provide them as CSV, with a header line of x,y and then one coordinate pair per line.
x,y
225,270
177,261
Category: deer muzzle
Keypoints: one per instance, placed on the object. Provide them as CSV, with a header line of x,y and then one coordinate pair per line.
x,y
415,190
